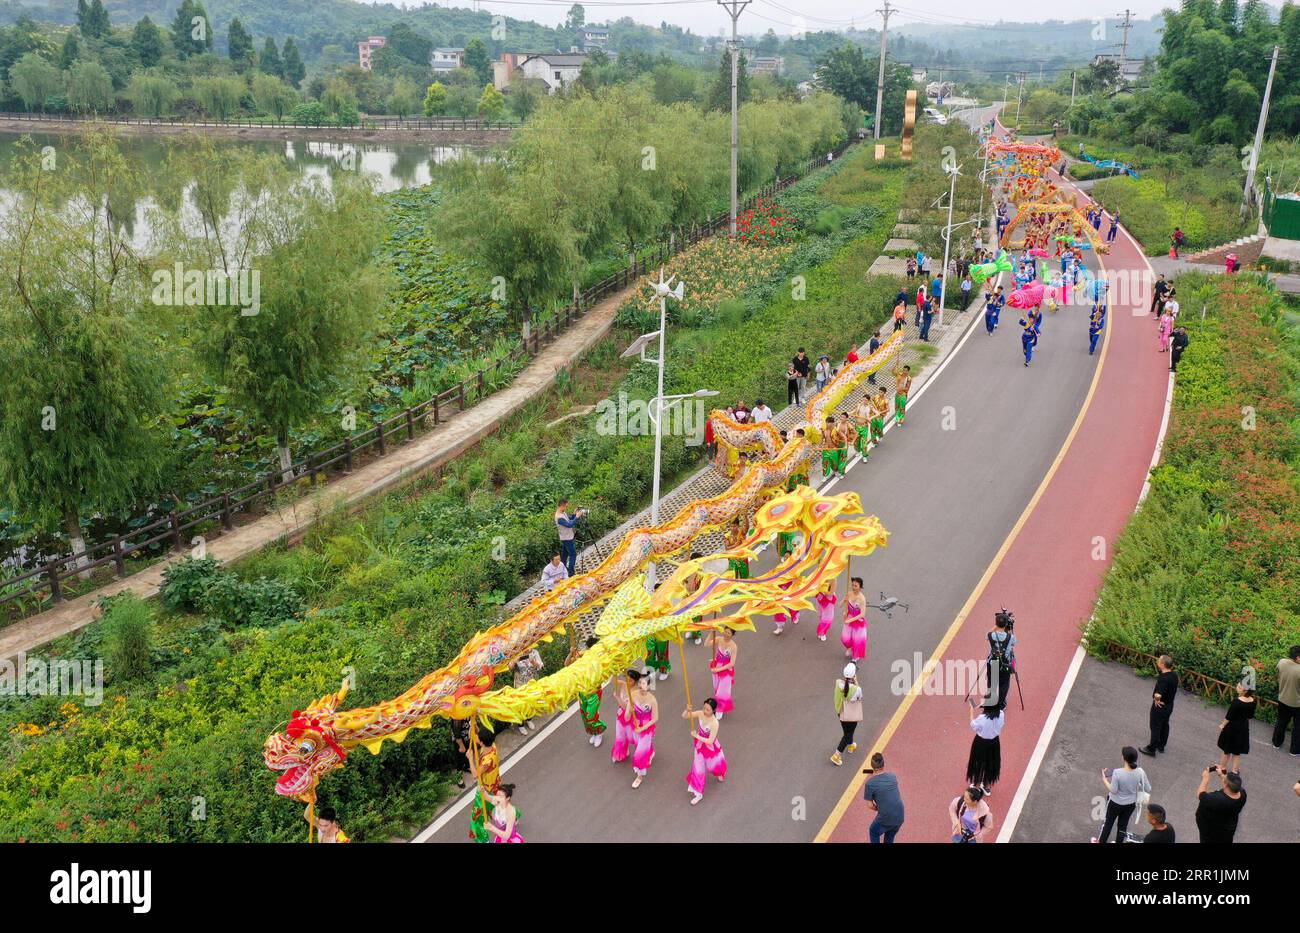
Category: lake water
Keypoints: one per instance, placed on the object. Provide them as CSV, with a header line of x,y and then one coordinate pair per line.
x,y
394,165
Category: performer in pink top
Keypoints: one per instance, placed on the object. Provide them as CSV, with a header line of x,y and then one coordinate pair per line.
x,y
503,826
624,737
853,635
723,667
709,758
645,714
826,601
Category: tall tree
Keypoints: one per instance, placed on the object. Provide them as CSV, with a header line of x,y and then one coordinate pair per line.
x,y
413,46
719,97
294,69
191,29
97,19
478,60
313,249
34,80
90,88
240,43
147,43
152,94
435,100
82,387
269,61
71,50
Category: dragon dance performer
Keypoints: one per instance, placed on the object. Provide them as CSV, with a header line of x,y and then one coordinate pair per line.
x,y
832,449
862,427
1029,339
505,816
485,765
800,475
784,616
692,586
902,388
735,537
635,727
327,825
723,668
589,707
709,758
656,657
826,601
1095,326
853,634
990,314
879,412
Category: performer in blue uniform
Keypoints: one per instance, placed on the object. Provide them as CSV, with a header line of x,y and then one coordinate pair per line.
x,y
1029,339
1095,325
990,313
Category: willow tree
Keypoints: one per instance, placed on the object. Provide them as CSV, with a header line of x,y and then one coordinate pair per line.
x,y
304,248
81,392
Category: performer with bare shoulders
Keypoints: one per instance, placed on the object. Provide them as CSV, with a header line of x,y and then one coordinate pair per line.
x,y
709,758
725,651
902,389
853,634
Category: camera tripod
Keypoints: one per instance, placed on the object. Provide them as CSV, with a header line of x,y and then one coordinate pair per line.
x,y
1014,673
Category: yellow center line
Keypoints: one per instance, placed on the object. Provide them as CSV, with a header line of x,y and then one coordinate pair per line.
x,y
855,785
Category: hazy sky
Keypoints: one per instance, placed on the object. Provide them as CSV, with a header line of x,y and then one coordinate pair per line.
x,y
785,16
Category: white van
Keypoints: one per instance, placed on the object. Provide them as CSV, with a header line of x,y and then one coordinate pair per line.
x,y
934,116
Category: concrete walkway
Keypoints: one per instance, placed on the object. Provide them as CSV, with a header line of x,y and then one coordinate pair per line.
x,y
439,446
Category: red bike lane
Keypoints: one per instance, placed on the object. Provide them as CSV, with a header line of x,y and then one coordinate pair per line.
x,y
1048,572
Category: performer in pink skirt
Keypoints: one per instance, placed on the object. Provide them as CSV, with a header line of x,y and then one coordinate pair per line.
x,y
826,601
624,737
781,618
853,635
645,714
723,667
503,826
709,758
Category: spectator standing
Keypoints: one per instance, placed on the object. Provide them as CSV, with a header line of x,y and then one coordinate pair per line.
x,y
1162,705
803,366
911,268
984,765
1161,831
1177,345
920,300
872,346
883,796
1218,811
1123,787
900,316
791,385
848,707
1288,700
970,816
927,317
565,525
761,412
822,372
554,572
1158,293
966,286
1234,731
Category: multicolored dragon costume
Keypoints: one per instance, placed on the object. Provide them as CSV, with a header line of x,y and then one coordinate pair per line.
x,y
833,529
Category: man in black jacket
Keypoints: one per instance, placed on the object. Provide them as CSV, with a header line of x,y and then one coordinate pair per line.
x,y
1158,293
1162,705
803,367
1178,346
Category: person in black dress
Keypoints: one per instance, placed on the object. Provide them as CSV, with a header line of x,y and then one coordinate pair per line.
x,y
984,765
1234,731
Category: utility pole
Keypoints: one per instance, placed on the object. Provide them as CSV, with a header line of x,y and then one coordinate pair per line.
x,y
1019,91
734,8
1123,49
1259,135
1074,83
880,76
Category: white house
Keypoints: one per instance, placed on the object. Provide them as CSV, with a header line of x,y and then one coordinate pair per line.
x,y
554,69
446,59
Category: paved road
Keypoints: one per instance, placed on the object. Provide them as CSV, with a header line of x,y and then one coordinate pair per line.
x,y
950,486
1048,571
1107,710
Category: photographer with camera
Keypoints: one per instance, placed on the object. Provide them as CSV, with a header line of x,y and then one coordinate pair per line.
x,y
565,525
970,816
1217,811
1002,655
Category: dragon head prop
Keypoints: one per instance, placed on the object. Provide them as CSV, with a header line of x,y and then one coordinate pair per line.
x,y
307,749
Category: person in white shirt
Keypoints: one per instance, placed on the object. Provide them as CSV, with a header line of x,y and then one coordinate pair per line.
x,y
761,413
1171,305
553,573
985,763
823,372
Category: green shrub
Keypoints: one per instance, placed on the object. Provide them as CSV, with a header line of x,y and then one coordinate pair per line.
x,y
235,603
127,624
185,582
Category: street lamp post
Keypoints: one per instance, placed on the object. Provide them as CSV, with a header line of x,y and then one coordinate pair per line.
x,y
947,240
663,290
